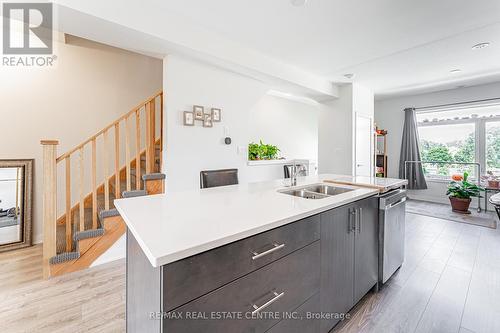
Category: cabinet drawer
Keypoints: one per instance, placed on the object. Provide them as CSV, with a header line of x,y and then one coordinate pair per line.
x,y
195,276
299,323
281,286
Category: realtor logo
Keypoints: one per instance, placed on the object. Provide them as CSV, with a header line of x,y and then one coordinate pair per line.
x,y
35,21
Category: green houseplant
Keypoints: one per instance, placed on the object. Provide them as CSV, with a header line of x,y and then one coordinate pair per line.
x,y
261,151
461,192
253,151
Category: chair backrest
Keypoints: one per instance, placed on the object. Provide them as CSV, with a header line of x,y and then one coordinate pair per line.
x,y
214,178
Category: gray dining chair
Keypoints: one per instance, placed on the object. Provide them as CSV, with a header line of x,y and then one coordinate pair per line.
x,y
222,177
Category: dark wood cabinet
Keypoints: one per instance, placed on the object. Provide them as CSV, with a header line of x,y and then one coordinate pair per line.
x,y
365,248
349,257
320,265
302,320
277,288
337,257
195,276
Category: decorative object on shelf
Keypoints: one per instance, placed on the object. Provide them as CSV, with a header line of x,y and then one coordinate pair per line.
x,y
379,172
199,112
261,151
460,194
381,158
188,118
207,120
216,115
227,140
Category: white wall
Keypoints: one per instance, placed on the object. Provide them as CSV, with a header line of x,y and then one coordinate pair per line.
x,y
363,100
337,129
248,114
389,115
292,126
90,86
335,151
363,105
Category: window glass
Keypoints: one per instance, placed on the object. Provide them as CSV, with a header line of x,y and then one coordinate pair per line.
x,y
493,147
483,112
448,143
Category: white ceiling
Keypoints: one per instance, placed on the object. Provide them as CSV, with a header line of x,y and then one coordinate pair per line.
x,y
393,46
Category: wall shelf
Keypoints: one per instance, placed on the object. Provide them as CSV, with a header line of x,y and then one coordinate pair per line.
x,y
275,162
381,154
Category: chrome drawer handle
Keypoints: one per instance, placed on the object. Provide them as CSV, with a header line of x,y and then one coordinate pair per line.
x,y
351,226
276,247
265,305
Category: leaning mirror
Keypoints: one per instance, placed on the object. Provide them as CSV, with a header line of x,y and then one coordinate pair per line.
x,y
16,181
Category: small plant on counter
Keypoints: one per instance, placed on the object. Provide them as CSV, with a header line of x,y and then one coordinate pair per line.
x,y
461,192
253,151
261,151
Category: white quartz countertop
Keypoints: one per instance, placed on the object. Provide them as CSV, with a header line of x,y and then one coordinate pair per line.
x,y
173,226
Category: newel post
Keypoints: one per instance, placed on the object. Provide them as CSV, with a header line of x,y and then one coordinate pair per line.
x,y
49,202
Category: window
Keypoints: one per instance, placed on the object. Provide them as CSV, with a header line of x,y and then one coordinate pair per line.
x,y
462,135
448,143
493,147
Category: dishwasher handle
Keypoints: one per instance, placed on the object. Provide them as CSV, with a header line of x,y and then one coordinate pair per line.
x,y
390,198
394,204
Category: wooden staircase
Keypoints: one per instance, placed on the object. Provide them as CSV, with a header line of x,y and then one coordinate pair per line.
x,y
90,225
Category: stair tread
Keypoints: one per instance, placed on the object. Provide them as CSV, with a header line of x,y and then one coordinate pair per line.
x,y
88,221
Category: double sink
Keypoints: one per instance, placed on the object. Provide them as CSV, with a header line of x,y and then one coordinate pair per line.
x,y
316,191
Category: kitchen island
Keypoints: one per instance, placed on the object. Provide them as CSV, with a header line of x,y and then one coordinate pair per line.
x,y
250,258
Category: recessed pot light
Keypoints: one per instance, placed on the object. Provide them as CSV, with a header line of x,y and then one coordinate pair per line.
x,y
298,3
456,70
349,75
481,46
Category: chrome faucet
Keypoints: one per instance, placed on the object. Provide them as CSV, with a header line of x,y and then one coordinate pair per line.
x,y
293,174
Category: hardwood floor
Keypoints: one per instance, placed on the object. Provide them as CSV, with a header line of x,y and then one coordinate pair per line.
x,y
450,282
87,301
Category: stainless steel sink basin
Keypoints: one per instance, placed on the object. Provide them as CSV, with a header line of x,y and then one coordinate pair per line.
x,y
317,191
327,189
305,194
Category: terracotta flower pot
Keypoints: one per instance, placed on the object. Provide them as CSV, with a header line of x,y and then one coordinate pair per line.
x,y
493,183
460,205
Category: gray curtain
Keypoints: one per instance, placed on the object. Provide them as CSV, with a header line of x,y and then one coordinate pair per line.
x,y
410,151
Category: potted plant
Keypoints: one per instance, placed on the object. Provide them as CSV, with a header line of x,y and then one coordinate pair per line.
x,y
253,151
261,151
460,194
493,181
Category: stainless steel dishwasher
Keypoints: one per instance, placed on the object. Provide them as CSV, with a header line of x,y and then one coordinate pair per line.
x,y
392,207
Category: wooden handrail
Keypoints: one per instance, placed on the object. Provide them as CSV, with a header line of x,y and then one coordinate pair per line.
x,y
93,137
110,177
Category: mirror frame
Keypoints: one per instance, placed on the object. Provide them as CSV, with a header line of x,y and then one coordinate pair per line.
x,y
26,234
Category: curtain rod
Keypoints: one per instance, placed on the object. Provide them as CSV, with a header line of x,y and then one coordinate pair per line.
x,y
458,103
